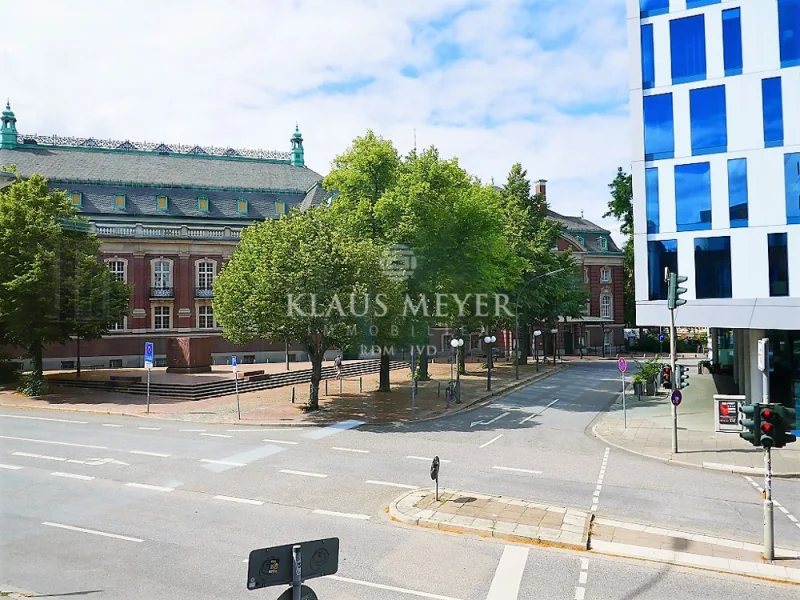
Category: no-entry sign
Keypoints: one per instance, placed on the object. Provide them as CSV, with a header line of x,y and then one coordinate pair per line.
x,y
622,364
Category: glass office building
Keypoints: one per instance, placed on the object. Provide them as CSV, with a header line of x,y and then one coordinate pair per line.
x,y
715,91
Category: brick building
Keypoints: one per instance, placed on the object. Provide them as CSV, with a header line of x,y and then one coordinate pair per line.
x,y
168,217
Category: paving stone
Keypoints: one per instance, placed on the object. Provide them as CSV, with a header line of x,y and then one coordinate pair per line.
x,y
527,531
460,520
482,523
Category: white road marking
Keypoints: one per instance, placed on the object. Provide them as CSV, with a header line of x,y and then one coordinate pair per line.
x,y
223,462
580,593
43,456
426,458
306,473
783,510
147,486
191,430
600,477
318,434
150,428
792,518
73,476
259,429
146,453
93,532
240,500
19,439
280,442
777,504
106,461
508,576
489,422
350,450
516,470
582,577
220,435
10,467
390,484
529,417
494,439
77,462
110,425
45,419
333,513
390,588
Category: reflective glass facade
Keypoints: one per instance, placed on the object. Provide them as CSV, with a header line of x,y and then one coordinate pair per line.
x,y
648,58
709,121
688,49
772,99
737,191
712,267
792,184
778,247
653,218
693,196
732,41
660,255
659,128
789,31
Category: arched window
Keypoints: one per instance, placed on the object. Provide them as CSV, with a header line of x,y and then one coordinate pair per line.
x,y
605,303
605,275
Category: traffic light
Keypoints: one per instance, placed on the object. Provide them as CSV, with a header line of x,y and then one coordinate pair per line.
x,y
749,420
683,376
673,301
786,418
767,425
666,372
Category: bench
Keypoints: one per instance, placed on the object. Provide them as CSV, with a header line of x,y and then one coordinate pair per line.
x,y
252,373
126,378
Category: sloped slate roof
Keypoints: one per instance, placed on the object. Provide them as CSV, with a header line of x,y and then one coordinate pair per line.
x,y
590,232
141,201
314,197
152,168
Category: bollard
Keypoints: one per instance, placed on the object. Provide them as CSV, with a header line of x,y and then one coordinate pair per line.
x,y
341,382
326,387
292,395
360,384
439,390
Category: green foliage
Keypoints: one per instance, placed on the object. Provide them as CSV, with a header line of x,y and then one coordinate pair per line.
x,y
9,370
648,370
621,208
51,284
32,385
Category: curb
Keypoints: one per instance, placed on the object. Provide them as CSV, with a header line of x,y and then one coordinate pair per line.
x,y
526,535
681,463
767,572
484,400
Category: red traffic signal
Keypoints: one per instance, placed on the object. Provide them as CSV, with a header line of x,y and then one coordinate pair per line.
x,y
767,427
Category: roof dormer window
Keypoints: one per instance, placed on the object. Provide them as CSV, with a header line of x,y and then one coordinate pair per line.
x,y
120,201
203,204
603,244
580,240
241,206
76,199
162,202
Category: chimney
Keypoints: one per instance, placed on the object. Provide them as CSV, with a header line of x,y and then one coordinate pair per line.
x,y
540,189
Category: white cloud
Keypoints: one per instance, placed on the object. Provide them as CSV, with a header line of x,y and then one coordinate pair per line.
x,y
241,72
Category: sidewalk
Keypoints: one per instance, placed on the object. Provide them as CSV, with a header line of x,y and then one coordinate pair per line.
x,y
526,522
356,399
649,433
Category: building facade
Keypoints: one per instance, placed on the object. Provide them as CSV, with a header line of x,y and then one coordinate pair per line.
x,y
168,217
715,86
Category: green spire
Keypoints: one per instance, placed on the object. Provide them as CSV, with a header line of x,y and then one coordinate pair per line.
x,y
298,159
8,128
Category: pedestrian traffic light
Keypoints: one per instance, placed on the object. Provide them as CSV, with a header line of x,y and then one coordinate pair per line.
x,y
784,423
666,373
749,421
683,376
673,301
767,425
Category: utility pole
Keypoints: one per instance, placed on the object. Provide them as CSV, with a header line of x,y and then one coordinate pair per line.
x,y
766,415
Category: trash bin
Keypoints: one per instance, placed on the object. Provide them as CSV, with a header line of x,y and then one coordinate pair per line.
x,y
700,368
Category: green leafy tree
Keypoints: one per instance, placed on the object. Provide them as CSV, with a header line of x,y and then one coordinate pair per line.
x,y
266,288
51,285
620,206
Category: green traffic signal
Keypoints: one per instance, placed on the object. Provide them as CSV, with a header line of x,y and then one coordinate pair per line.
x,y
673,300
768,425
750,424
683,376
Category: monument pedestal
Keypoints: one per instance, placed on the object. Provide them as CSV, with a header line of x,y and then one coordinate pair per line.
x,y
189,354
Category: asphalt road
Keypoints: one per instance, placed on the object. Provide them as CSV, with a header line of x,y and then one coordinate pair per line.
x,y
112,507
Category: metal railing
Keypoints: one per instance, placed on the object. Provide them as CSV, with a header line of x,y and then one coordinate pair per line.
x,y
162,292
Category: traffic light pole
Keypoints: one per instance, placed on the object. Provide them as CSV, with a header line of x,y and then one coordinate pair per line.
x,y
769,521
672,350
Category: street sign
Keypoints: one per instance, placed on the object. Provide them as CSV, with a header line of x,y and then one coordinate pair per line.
x,y
676,397
762,353
306,593
435,468
148,355
273,566
622,364
233,363
660,337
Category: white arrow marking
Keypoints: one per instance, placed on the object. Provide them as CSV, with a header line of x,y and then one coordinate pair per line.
x,y
497,418
529,417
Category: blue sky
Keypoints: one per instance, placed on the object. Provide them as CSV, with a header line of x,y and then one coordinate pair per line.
x,y
493,82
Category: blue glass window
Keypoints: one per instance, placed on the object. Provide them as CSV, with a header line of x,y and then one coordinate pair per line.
x,y
699,3
789,28
772,100
688,49
659,130
693,196
732,41
737,191
651,198
648,58
660,255
778,248
650,8
712,267
792,167
709,122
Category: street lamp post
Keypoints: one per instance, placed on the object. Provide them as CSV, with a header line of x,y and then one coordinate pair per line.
x,y
489,340
457,343
516,316
554,331
536,335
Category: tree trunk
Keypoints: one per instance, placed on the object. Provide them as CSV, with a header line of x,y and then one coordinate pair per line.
x,y
384,385
316,377
423,364
78,351
461,361
36,355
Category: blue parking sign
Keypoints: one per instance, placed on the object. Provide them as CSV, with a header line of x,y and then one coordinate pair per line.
x,y
233,360
148,355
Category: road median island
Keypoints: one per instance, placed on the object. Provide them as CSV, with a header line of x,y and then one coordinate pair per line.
x,y
494,516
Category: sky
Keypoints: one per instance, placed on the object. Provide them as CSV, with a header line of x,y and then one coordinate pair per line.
x,y
492,82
